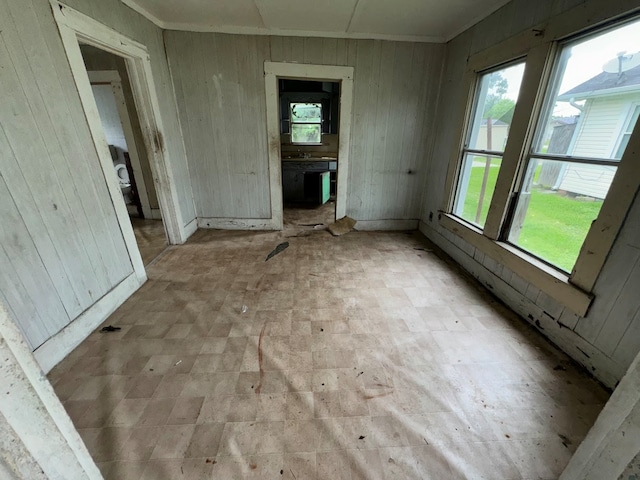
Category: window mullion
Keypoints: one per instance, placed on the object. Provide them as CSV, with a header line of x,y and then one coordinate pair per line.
x,y
527,109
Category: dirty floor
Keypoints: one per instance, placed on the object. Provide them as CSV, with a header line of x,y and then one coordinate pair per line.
x,y
306,217
150,237
364,356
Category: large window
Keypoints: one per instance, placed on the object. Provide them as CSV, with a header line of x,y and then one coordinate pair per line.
x,y
306,123
494,104
547,197
590,109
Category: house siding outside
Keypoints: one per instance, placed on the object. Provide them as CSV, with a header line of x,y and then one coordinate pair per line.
x,y
604,120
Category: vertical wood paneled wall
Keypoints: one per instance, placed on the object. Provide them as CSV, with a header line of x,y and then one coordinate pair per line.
x,y
608,338
219,85
61,248
117,16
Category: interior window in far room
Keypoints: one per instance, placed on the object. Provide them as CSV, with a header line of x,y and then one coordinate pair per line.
x,y
306,123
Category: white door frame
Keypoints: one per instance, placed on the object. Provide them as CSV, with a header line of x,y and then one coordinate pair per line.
x,y
112,79
75,26
276,70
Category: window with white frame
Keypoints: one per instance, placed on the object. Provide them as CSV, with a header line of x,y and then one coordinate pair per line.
x,y
564,179
570,167
306,123
495,100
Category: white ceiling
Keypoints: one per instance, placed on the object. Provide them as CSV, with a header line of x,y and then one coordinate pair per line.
x,y
411,20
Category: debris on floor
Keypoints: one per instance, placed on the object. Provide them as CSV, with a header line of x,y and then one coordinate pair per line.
x,y
110,328
244,308
280,248
342,226
361,437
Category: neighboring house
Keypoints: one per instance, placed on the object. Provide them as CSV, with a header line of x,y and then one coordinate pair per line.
x,y
499,131
603,129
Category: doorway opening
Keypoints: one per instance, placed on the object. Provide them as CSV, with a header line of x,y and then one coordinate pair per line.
x,y
323,74
309,139
120,122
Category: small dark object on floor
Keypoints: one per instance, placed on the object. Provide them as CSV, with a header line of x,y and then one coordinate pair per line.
x,y
361,437
281,472
110,328
277,250
560,367
566,441
423,249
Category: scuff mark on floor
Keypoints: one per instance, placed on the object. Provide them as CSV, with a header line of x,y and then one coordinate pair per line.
x,y
369,397
260,366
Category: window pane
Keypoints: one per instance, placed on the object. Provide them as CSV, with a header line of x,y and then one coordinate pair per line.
x,y
496,100
594,94
306,112
305,133
554,214
477,183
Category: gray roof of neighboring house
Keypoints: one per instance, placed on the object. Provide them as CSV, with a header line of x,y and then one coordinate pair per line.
x,y
605,83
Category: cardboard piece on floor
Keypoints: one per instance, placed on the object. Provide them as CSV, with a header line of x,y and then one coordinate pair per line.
x,y
342,226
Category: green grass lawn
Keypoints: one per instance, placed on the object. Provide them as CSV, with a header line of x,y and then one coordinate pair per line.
x,y
555,226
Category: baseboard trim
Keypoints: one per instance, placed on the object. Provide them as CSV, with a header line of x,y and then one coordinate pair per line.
x,y
238,223
390,225
154,214
51,352
190,228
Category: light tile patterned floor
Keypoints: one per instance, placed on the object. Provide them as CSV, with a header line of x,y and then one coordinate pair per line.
x,y
150,237
359,357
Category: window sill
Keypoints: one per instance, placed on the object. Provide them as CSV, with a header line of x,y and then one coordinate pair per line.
x,y
547,279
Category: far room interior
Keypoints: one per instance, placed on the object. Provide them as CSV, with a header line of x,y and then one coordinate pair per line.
x,y
309,124
176,300
119,118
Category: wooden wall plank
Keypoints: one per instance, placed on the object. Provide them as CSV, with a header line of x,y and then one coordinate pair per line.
x,y
619,319
116,15
33,161
386,86
25,277
62,248
69,156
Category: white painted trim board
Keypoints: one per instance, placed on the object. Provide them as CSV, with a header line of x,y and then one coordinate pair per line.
x,y
54,350
35,413
272,72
